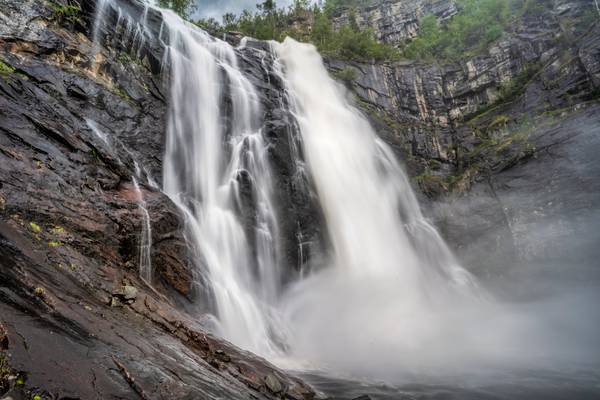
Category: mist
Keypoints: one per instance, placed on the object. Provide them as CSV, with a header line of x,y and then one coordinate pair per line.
x,y
530,305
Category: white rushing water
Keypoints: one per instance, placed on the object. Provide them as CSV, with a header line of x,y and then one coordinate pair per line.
x,y
216,171
145,246
390,272
145,238
209,156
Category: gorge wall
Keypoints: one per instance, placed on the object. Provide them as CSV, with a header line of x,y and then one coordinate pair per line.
x,y
477,132
396,22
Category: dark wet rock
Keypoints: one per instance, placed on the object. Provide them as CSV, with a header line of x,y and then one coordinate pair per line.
x,y
539,216
453,124
273,384
397,21
3,338
73,122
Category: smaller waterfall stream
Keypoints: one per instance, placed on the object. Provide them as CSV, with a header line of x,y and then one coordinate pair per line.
x,y
145,247
145,239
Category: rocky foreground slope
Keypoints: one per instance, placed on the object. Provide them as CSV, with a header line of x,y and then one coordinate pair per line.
x,y
508,170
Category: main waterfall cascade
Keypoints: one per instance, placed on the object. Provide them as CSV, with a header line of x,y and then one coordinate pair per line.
x,y
390,271
392,295
378,233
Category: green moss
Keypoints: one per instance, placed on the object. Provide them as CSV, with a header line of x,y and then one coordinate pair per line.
x,y
57,230
434,164
119,91
20,380
429,177
35,228
6,69
346,75
69,12
5,372
500,120
55,243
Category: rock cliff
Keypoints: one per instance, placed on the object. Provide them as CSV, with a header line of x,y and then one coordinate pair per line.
x,y
501,144
396,22
449,120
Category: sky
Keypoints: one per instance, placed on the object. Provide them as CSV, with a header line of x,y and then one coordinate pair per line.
x,y
216,8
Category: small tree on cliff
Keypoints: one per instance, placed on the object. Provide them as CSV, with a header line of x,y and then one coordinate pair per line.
x,y
181,7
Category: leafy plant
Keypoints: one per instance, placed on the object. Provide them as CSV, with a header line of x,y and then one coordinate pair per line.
x,y
67,12
304,23
182,7
346,75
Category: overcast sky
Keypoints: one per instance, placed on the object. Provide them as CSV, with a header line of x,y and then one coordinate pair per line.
x,y
216,8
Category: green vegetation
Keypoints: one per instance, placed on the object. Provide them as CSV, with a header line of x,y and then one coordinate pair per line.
x,y
35,228
518,83
67,12
478,23
337,6
471,30
5,69
308,24
181,7
5,373
346,75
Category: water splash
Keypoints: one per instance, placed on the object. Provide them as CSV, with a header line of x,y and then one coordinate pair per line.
x,y
390,273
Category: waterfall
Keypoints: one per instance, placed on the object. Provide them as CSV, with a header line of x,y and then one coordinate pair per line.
x,y
216,171
145,242
211,159
145,247
372,214
390,273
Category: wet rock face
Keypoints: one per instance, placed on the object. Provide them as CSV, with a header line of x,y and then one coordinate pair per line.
x,y
435,115
397,21
77,122
500,145
539,217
